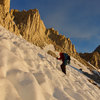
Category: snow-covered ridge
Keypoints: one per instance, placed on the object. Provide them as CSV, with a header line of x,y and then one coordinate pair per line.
x,y
29,73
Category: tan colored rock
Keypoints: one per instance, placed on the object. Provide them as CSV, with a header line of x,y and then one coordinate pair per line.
x,y
4,6
93,58
5,18
52,54
60,41
30,25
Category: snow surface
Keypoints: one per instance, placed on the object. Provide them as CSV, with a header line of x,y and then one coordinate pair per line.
x,y
29,73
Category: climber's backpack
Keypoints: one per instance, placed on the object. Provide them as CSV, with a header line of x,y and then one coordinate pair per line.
x,y
66,56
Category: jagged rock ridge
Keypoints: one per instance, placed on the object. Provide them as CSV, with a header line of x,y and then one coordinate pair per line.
x,y
31,27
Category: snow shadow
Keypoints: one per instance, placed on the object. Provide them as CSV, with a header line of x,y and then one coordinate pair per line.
x,y
93,76
60,95
76,69
41,56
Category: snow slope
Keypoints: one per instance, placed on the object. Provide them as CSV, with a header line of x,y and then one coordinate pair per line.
x,y
29,73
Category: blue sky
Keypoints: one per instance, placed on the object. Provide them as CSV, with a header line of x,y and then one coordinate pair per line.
x,y
77,19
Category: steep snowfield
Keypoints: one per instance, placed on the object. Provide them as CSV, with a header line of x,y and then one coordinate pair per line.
x,y
29,73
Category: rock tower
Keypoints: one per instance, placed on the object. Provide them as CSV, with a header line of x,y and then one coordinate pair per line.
x,y
4,6
5,18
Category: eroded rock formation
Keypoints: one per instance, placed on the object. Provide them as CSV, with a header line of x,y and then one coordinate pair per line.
x,y
30,25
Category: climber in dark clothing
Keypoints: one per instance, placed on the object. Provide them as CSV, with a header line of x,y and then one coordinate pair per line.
x,y
65,59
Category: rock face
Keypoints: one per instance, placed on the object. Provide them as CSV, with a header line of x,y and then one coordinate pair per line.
x,y
4,6
30,25
93,58
5,18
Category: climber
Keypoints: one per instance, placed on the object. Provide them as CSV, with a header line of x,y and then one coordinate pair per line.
x,y
65,59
